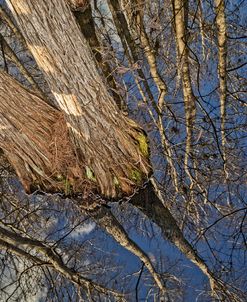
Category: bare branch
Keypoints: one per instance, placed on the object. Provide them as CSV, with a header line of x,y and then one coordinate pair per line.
x,y
12,241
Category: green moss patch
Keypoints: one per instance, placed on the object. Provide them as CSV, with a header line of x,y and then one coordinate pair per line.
x,y
143,144
136,176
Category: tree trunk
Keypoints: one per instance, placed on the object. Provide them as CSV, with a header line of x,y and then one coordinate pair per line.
x,y
222,55
180,20
112,147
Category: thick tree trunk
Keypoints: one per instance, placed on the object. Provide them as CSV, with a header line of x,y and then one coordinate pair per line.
x,y
112,147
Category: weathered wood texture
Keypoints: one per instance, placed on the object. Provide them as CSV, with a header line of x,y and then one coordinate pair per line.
x,y
107,141
34,137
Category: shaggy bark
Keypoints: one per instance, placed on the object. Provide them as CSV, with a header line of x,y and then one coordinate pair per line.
x,y
34,137
114,157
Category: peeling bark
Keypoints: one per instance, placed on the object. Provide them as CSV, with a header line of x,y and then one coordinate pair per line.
x,y
34,136
96,125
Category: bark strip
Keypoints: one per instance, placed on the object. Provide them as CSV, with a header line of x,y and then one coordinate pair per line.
x,y
34,137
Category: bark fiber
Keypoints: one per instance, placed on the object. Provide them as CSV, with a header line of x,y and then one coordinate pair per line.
x,y
105,140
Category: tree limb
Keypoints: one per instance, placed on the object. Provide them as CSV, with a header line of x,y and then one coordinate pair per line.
x,y
12,241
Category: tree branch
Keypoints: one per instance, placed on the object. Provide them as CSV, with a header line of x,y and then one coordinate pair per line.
x,y
12,241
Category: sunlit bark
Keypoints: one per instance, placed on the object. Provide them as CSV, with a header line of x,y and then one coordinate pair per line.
x,y
183,57
34,137
112,155
222,54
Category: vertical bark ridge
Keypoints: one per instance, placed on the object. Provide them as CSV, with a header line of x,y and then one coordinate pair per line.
x,y
96,125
